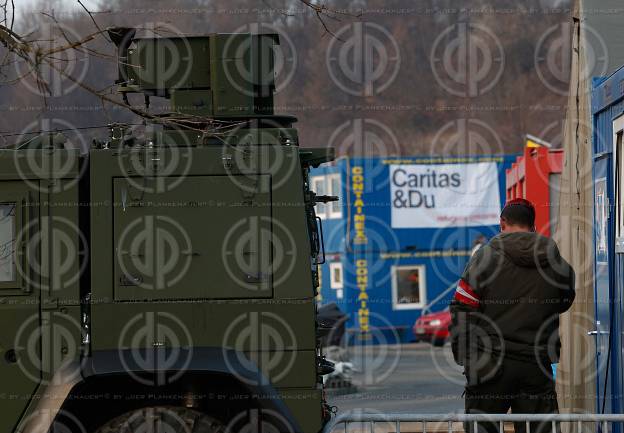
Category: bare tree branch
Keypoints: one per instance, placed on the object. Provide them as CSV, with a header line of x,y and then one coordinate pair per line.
x,y
37,53
92,19
323,12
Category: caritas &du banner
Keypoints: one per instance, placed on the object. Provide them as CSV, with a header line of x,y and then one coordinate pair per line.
x,y
444,195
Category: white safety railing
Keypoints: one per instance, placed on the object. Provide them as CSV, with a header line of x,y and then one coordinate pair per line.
x,y
454,423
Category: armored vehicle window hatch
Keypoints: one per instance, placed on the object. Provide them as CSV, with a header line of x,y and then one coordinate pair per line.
x,y
15,224
7,242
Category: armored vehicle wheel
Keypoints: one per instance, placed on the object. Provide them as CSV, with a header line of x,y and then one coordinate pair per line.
x,y
168,419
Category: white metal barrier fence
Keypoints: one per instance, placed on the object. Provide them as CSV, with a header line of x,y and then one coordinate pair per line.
x,y
547,423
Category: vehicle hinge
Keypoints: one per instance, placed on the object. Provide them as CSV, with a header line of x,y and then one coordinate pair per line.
x,y
227,161
314,157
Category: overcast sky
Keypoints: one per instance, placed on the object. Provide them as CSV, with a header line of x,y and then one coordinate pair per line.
x,y
25,5
91,4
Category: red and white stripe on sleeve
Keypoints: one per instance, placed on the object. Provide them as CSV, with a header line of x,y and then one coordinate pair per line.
x,y
466,294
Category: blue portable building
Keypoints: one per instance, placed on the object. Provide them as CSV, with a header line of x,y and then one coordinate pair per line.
x,y
401,235
608,175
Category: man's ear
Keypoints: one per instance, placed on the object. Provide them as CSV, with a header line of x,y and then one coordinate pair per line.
x,y
503,224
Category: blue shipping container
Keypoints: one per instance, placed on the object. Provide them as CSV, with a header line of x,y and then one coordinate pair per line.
x,y
608,176
401,235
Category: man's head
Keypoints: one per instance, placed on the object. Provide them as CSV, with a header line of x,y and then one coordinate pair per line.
x,y
518,215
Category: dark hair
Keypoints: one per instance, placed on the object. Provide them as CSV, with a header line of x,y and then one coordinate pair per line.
x,y
519,212
479,240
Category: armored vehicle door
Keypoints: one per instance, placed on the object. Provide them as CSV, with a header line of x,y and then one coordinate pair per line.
x,y
172,242
19,309
39,292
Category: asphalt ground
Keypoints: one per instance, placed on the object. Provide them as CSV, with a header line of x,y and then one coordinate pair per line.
x,y
413,377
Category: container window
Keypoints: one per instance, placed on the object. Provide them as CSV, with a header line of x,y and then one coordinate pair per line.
x,y
327,185
7,242
408,287
336,277
318,184
600,220
619,184
335,209
554,185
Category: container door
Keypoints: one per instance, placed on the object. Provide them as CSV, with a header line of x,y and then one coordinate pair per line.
x,y
609,251
602,282
618,261
19,309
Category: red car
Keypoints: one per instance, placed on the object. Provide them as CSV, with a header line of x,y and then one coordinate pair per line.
x,y
433,327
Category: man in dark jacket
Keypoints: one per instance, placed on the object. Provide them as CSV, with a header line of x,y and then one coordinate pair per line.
x,y
505,319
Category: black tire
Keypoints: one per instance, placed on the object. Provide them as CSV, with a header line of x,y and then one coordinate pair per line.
x,y
162,418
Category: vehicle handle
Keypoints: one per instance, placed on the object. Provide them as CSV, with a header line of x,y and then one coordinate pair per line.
x,y
24,249
322,240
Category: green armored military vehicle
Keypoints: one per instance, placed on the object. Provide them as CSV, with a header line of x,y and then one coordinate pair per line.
x,y
165,280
